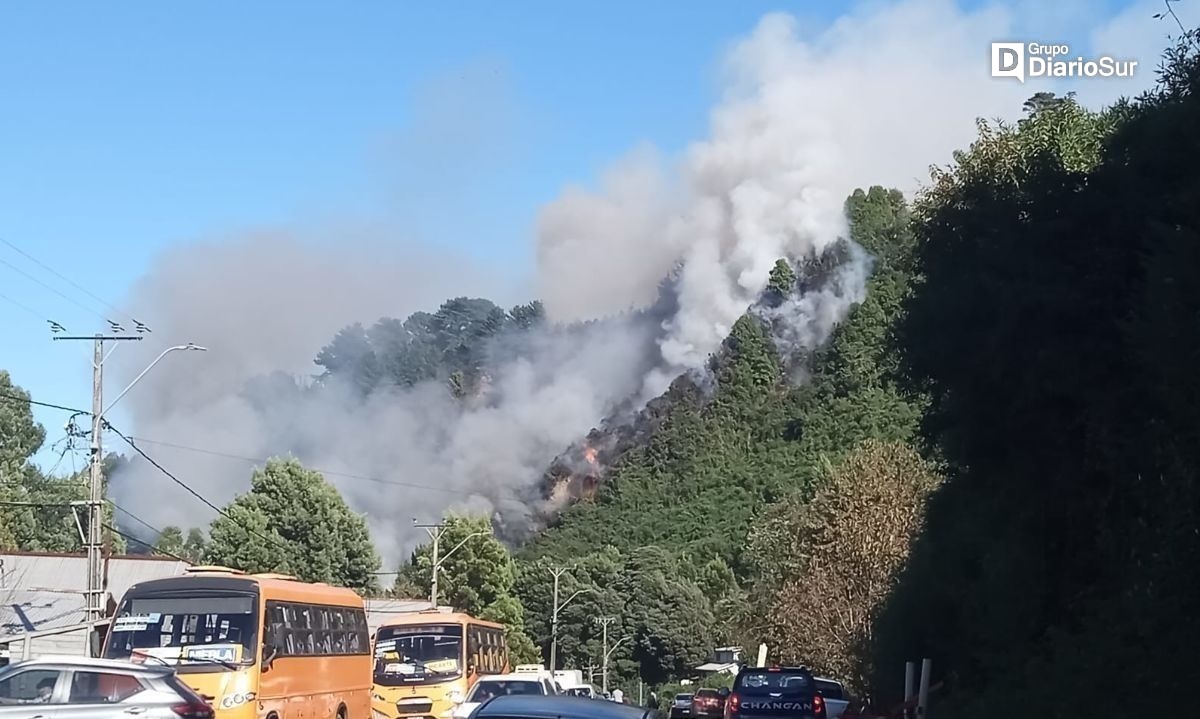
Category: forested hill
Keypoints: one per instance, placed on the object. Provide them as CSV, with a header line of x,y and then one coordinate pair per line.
x,y
993,463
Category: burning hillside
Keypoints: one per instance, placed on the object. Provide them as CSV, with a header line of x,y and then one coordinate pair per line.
x,y
799,309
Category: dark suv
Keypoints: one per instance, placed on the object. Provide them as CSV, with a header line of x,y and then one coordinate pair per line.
x,y
774,693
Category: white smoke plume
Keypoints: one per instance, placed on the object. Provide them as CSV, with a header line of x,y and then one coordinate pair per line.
x,y
803,118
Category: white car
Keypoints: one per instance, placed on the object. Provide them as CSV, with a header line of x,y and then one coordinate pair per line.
x,y
501,684
834,694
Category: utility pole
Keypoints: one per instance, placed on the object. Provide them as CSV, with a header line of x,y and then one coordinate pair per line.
x,y
557,572
435,532
94,594
604,622
555,609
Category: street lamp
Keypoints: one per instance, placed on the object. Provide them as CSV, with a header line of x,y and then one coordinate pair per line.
x,y
555,608
189,347
608,654
435,533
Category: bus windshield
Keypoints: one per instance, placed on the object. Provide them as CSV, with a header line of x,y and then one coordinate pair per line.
x,y
418,654
208,632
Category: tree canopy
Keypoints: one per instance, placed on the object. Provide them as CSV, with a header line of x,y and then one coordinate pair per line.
x,y
293,521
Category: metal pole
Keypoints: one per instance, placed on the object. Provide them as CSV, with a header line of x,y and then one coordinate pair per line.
x,y
557,572
433,583
910,686
177,348
923,697
604,622
95,499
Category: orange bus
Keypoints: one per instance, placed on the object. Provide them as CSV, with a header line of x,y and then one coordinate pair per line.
x,y
256,646
425,662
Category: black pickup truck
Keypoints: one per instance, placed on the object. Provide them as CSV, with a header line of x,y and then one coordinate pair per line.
x,y
774,693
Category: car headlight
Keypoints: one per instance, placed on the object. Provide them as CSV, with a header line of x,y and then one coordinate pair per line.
x,y
376,714
455,696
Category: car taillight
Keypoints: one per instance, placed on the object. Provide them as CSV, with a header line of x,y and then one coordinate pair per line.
x,y
732,704
819,704
193,710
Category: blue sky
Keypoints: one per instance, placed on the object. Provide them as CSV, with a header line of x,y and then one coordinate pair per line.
x,y
129,127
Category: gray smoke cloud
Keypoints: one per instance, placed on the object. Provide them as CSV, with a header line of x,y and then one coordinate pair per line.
x,y
802,119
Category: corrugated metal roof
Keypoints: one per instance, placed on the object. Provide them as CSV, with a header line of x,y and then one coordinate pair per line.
x,y
67,572
24,610
381,610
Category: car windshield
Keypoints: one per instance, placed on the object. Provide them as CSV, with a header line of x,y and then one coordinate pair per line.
x,y
206,632
682,697
774,682
418,654
486,689
828,689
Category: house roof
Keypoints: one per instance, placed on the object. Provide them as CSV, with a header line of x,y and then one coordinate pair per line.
x,y
717,667
42,590
68,572
25,610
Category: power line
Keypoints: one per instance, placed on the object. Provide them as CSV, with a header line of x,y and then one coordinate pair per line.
x,y
54,326
194,493
26,400
30,277
243,458
52,271
156,550
331,473
135,518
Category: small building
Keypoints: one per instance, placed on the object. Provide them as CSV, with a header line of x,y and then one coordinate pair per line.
x,y
725,660
42,599
381,610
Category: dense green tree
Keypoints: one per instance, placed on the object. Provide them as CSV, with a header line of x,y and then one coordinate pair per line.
x,y
171,542
1053,318
20,438
195,545
293,521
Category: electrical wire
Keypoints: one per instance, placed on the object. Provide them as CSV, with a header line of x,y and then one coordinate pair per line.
x,y
30,277
156,550
52,271
255,460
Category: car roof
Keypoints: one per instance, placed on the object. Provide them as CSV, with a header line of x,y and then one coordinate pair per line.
x,y
513,677
795,669
73,662
535,706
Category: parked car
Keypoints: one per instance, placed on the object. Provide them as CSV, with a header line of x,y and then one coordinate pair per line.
x,y
504,685
530,706
708,704
775,693
681,707
834,694
83,688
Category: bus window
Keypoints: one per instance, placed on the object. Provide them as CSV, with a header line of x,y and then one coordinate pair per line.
x,y
172,628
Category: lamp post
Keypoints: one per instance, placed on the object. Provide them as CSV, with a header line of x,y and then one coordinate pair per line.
x,y
555,609
95,578
435,533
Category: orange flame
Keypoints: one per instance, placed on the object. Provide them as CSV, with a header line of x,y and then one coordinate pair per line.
x,y
590,455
